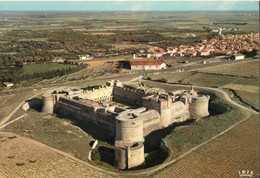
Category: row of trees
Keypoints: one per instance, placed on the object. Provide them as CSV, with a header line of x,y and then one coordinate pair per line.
x,y
16,77
8,72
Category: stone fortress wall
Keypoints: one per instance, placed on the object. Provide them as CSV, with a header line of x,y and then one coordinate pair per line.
x,y
128,113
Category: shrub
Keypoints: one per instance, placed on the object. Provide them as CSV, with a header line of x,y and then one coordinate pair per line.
x,y
95,155
20,164
162,80
147,78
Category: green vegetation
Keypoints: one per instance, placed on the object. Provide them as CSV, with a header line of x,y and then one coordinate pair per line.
x,y
176,77
207,79
41,37
243,140
95,155
54,132
250,98
12,101
41,68
183,139
246,98
249,69
43,71
241,78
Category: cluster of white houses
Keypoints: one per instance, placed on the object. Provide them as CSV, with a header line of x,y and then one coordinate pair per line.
x,y
223,45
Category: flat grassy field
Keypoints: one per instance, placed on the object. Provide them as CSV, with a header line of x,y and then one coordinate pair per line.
x,y
12,102
246,68
5,98
249,97
172,77
32,68
204,79
235,151
105,69
52,131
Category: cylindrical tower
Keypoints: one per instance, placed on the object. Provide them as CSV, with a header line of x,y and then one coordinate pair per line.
x,y
199,106
129,148
129,128
127,157
48,104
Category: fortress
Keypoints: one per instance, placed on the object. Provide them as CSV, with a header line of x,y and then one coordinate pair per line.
x,y
128,113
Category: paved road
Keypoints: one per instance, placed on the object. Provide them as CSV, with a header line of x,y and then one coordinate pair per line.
x,y
134,74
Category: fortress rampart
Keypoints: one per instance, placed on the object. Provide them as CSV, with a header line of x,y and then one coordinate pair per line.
x,y
128,96
138,113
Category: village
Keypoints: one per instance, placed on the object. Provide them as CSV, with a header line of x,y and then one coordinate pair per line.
x,y
229,46
219,45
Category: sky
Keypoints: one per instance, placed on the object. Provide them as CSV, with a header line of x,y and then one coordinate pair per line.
x,y
122,5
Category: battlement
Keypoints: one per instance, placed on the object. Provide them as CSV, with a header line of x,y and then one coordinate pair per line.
x,y
138,113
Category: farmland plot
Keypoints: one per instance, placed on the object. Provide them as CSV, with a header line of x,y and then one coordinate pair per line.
x,y
22,157
54,132
203,79
249,68
235,151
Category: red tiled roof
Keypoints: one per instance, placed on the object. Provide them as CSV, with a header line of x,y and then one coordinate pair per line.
x,y
204,51
238,54
191,52
148,62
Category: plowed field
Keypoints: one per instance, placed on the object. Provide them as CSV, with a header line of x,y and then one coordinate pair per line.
x,y
235,151
22,157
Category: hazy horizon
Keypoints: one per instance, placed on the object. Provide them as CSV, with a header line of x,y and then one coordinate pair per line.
x,y
129,6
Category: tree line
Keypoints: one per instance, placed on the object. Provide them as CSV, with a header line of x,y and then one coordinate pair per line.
x,y
17,76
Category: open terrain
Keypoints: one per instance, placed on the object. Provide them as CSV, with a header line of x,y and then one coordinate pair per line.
x,y
51,131
23,157
55,132
10,102
41,37
247,68
36,144
40,68
235,151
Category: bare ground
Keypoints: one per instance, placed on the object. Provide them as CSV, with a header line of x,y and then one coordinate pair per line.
x,y
23,157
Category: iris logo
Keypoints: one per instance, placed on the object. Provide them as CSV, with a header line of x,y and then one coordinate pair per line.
x,y
245,173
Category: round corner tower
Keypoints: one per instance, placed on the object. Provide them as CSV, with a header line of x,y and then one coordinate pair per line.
x,y
129,148
199,106
129,128
48,104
